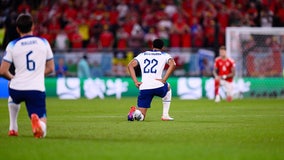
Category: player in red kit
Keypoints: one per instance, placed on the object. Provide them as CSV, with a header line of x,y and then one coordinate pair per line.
x,y
224,72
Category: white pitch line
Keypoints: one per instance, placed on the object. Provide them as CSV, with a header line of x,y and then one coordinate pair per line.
x,y
102,116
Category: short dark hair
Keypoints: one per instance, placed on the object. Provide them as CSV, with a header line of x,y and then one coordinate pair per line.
x,y
222,48
85,57
24,22
158,43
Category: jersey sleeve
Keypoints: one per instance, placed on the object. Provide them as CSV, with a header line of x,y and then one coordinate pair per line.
x,y
49,50
138,57
215,63
168,57
233,64
8,54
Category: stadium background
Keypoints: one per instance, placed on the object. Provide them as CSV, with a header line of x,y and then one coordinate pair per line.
x,y
112,32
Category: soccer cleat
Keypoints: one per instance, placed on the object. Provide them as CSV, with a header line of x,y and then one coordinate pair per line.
x,y
37,130
13,133
167,118
130,116
217,99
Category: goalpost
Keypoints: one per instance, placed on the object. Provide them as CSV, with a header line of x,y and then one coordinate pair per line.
x,y
257,51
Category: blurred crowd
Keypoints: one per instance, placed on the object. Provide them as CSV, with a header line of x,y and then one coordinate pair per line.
x,y
123,24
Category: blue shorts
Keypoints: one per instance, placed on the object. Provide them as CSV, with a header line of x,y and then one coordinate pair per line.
x,y
145,96
34,100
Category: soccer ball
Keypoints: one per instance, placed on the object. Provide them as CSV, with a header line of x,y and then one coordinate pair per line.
x,y
137,115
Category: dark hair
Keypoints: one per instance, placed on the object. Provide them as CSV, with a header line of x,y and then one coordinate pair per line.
x,y
24,22
158,43
222,48
85,57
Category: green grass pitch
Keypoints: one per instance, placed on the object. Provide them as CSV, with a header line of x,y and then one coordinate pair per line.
x,y
98,129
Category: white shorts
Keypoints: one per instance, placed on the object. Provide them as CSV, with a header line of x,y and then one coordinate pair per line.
x,y
227,86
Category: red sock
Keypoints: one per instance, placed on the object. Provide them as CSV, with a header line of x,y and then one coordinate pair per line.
x,y
216,84
229,98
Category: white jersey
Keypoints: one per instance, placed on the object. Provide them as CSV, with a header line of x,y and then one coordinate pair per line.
x,y
29,55
152,64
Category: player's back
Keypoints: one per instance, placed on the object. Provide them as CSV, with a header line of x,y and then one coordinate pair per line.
x,y
29,55
152,64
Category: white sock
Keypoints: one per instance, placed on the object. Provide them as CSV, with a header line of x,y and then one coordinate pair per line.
x,y
167,103
13,114
43,127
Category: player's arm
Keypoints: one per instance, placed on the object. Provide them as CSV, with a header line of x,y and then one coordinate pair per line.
x,y
4,70
215,70
170,70
215,74
49,67
132,64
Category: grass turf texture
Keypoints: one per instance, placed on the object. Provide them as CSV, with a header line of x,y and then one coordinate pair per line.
x,y
98,129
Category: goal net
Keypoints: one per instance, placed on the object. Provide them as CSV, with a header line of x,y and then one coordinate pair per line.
x,y
258,52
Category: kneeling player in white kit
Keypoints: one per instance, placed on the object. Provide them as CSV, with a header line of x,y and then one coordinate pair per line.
x,y
152,64
33,59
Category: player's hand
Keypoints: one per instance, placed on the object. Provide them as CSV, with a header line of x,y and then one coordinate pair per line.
x,y
137,84
161,80
218,78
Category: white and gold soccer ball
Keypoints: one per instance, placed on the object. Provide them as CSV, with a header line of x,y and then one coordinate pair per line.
x,y
138,116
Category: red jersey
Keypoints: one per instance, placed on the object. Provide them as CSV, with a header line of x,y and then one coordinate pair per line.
x,y
224,67
106,39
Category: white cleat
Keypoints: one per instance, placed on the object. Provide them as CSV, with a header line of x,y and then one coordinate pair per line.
x,y
167,118
217,99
